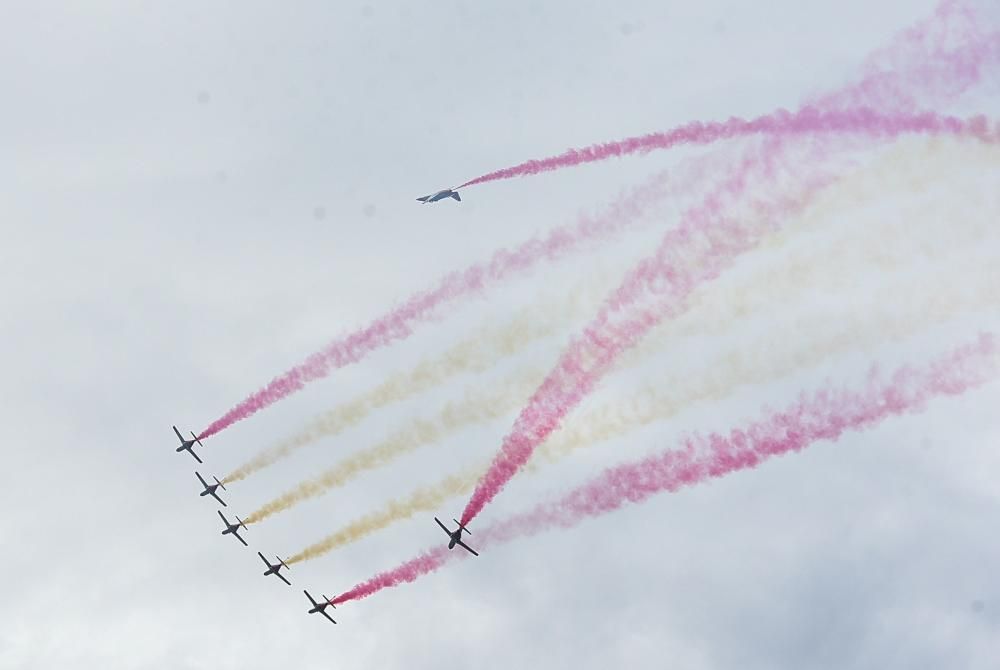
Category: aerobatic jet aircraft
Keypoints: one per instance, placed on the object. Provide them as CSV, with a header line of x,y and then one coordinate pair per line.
x,y
211,490
440,195
188,444
456,536
233,528
320,608
275,569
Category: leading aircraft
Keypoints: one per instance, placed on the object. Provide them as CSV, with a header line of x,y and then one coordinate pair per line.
x,y
188,444
456,536
211,490
440,195
233,528
320,608
276,568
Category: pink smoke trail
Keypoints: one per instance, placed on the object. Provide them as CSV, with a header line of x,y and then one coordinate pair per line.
x,y
913,57
964,63
824,415
938,59
705,244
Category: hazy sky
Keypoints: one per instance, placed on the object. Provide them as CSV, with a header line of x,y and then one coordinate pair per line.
x,y
195,196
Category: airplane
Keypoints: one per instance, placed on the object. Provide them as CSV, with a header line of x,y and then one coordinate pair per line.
x,y
456,537
276,568
320,608
188,444
211,490
440,195
233,528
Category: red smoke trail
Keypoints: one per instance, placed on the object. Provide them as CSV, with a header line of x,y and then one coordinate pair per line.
x,y
923,54
779,123
937,60
705,244
933,35
823,415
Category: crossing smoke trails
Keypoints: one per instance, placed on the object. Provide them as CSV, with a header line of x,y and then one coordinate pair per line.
x,y
923,65
759,362
823,415
474,354
705,244
911,238
398,324
924,55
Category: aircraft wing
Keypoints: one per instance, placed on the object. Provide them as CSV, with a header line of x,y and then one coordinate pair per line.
x,y
195,456
443,527
263,559
222,516
247,545
178,433
467,547
323,612
283,578
221,501
201,479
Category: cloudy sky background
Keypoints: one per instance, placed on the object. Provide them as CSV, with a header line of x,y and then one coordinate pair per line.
x,y
196,196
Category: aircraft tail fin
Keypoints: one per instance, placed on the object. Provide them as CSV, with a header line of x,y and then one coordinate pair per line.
x,y
462,527
196,439
282,561
455,195
219,483
240,521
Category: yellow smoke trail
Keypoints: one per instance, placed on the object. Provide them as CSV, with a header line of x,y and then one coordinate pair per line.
x,y
817,340
475,354
475,408
896,245
483,350
886,246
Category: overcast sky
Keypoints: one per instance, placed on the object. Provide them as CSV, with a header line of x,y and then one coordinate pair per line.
x,y
195,196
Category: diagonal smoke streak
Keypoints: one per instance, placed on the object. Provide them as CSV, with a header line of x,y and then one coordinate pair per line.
x,y
707,243
908,238
474,354
815,340
824,415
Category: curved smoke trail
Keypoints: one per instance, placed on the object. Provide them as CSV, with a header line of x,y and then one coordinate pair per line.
x,y
907,239
823,415
760,362
477,353
707,242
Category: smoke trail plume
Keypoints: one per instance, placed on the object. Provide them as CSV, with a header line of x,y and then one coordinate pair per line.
x,y
814,340
807,120
824,415
398,323
705,244
936,60
475,354
477,407
911,238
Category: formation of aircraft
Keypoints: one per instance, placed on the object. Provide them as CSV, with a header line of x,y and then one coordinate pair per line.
x,y
320,608
455,537
210,490
188,445
275,569
440,195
